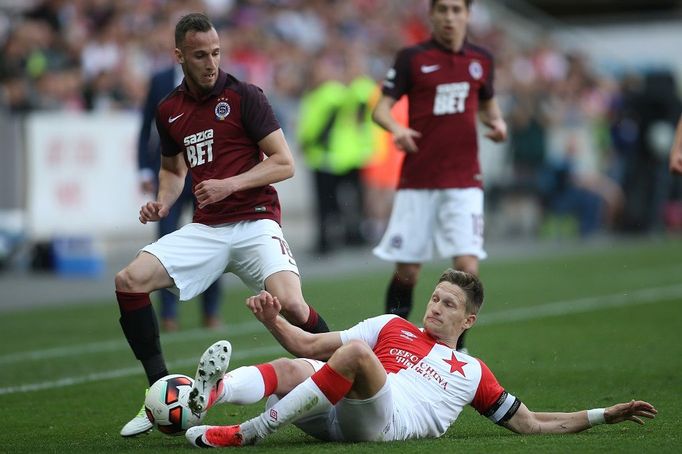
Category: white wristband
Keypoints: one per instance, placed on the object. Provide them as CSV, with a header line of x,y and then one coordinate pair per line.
x,y
596,416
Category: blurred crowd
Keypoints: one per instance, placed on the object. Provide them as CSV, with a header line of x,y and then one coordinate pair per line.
x,y
587,150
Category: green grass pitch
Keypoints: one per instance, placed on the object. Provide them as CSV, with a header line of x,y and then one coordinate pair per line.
x,y
564,330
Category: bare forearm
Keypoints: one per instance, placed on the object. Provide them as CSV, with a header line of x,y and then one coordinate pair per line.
x,y
559,423
292,338
171,185
528,422
269,171
382,115
490,112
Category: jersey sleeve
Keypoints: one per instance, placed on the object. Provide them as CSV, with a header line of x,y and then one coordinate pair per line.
x,y
487,90
168,146
258,117
491,400
367,330
398,78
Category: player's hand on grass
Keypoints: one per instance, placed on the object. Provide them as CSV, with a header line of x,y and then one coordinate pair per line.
x,y
152,211
264,306
633,411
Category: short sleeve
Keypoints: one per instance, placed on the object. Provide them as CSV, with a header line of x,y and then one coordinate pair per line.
x,y
258,117
398,79
491,400
487,90
367,330
168,146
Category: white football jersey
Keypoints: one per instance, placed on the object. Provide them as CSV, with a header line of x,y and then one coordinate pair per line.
x,y
431,382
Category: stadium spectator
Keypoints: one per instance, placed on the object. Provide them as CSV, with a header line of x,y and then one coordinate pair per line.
x,y
676,150
149,163
74,55
648,179
384,380
336,137
220,130
438,207
577,113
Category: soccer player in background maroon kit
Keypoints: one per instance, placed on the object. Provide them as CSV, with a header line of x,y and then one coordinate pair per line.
x,y
219,129
439,203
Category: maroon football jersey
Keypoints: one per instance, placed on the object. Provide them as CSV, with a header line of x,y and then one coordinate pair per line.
x,y
218,136
443,89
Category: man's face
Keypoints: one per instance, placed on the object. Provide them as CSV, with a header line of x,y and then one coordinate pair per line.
x,y
449,19
199,56
446,317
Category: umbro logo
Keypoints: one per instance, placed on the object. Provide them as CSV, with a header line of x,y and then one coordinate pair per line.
x,y
407,335
172,119
429,68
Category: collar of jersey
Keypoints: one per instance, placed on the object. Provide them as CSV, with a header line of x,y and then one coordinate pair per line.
x,y
217,88
438,45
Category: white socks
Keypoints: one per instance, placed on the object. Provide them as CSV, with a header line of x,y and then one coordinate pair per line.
x,y
305,399
242,386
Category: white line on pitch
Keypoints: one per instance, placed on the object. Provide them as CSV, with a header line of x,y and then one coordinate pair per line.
x,y
120,344
558,308
129,371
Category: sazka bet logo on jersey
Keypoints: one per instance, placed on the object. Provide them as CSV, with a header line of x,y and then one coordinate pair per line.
x,y
222,109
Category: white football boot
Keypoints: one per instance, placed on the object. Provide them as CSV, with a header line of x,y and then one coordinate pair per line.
x,y
139,425
211,370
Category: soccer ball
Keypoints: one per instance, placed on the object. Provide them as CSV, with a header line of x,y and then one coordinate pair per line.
x,y
166,404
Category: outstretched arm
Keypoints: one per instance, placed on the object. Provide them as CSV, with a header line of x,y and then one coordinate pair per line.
x,y
297,342
525,421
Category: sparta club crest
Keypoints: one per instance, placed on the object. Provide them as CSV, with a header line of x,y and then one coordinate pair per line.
x,y
222,110
476,70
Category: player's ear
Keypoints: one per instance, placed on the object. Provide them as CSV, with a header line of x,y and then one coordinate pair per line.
x,y
178,56
469,321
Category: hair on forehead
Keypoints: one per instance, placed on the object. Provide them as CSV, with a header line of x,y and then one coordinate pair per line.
x,y
467,3
194,22
470,285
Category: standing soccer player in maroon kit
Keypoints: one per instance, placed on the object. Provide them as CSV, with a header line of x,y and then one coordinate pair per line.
x,y
219,129
438,207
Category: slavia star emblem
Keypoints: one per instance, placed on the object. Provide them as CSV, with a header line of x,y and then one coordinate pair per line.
x,y
456,365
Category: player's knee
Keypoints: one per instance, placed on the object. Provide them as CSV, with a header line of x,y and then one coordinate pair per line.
x,y
290,373
357,351
294,308
408,274
127,281
291,303
123,281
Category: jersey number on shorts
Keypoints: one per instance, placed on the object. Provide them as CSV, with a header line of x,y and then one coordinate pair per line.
x,y
285,249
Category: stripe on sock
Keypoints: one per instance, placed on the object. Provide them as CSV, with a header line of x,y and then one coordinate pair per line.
x,y
269,377
130,302
311,323
332,384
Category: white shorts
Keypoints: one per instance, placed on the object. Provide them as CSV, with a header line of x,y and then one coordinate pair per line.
x,y
370,419
197,255
424,222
